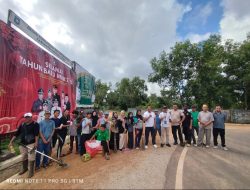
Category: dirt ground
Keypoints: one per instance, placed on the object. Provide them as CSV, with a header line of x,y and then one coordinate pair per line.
x,y
137,169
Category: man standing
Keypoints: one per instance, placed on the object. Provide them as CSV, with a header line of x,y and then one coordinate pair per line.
x,y
176,119
219,127
38,104
28,133
195,126
149,119
57,128
205,119
47,128
85,134
158,123
165,117
187,125
73,132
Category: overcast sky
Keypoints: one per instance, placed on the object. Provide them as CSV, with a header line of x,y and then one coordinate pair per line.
x,y
113,39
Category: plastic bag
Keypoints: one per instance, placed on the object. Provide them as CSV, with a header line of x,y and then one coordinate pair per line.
x,y
92,147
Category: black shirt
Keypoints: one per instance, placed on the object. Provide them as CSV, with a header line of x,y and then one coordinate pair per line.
x,y
28,132
64,121
187,120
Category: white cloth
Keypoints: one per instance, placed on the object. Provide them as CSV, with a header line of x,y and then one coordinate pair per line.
x,y
122,141
164,116
151,121
85,127
176,117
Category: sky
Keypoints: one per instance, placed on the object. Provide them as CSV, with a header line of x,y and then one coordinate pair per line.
x,y
115,39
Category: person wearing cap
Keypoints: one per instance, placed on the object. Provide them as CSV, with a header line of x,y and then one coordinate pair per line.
x,y
73,132
28,132
56,107
46,131
38,104
41,114
56,96
157,123
102,135
49,100
165,118
195,125
85,134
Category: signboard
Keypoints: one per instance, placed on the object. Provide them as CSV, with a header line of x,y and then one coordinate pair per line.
x,y
29,76
18,22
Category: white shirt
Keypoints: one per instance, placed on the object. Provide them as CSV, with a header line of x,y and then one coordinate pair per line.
x,y
151,121
85,127
165,120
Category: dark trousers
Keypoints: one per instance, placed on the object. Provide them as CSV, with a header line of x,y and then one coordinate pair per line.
x,y
61,140
187,133
54,139
43,148
174,131
72,138
158,130
138,137
220,132
193,136
112,141
147,131
84,138
130,140
105,146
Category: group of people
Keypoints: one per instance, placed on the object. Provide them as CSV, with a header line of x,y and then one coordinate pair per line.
x,y
115,132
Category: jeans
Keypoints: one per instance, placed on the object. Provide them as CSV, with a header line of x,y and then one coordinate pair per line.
x,y
147,131
72,139
44,148
207,132
193,136
221,132
138,137
174,130
84,138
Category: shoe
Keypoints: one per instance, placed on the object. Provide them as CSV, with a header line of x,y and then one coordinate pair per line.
x,y
188,145
31,169
168,145
175,143
107,156
44,166
215,147
207,146
225,148
146,146
137,148
37,168
182,144
155,145
162,145
195,144
24,167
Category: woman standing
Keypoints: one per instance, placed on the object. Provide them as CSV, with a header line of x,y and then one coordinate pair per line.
x,y
130,128
121,123
138,128
114,137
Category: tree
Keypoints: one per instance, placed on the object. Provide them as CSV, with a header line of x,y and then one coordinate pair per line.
x,y
101,93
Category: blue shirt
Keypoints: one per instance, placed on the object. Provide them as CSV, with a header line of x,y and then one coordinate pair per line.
x,y
46,128
158,122
219,120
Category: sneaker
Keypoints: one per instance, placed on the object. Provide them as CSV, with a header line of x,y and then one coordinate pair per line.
x,y
207,146
146,146
162,145
225,148
155,145
137,148
188,145
175,143
195,144
215,147
168,145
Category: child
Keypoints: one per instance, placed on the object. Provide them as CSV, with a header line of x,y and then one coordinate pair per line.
x,y
102,135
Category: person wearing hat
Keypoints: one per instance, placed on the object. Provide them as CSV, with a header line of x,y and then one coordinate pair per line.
x,y
38,104
56,96
46,131
28,133
56,107
49,100
41,114
165,117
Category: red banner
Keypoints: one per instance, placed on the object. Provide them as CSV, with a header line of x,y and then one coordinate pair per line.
x,y
31,80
